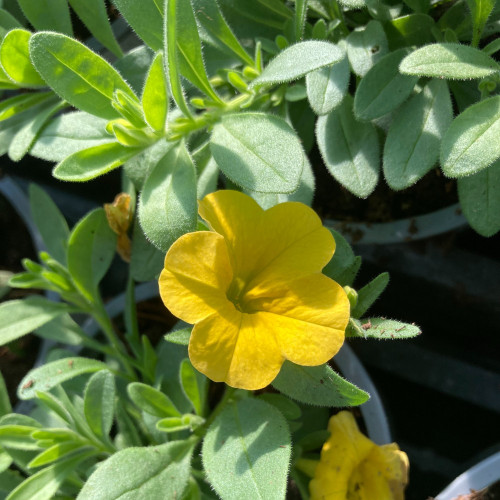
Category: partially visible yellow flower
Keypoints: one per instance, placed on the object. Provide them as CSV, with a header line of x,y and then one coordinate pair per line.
x,y
119,217
254,290
354,468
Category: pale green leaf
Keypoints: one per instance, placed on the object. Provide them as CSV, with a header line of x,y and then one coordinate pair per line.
x,y
479,196
146,261
471,142
56,452
5,406
152,400
99,402
77,74
258,151
369,294
414,138
387,329
297,60
192,389
480,11
350,149
51,374
154,95
246,451
168,205
449,60
62,329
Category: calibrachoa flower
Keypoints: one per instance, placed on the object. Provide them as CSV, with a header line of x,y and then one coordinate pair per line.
x,y
354,468
253,288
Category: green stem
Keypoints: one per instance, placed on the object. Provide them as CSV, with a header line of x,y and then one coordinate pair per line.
x,y
201,431
336,13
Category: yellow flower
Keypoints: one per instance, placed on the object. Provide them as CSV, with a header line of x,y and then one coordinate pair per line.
x,y
253,288
354,468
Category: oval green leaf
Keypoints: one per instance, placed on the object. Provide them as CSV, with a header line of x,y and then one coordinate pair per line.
x,y
317,385
414,138
246,451
350,149
48,15
154,95
258,151
449,60
47,376
471,142
152,400
77,74
99,402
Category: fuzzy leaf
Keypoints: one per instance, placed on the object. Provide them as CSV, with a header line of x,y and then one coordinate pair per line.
x,y
99,402
48,15
350,149
370,293
317,385
51,374
471,142
5,406
414,138
155,473
152,400
91,248
77,74
191,387
326,87
168,205
383,88
15,59
480,11
258,151
297,60
154,95
246,451
20,317
180,337
146,261
480,200
387,329
449,60
365,47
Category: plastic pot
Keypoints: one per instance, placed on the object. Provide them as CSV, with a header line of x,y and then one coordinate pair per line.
x,y
373,411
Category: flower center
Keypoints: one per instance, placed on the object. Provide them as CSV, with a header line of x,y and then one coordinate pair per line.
x,y
236,294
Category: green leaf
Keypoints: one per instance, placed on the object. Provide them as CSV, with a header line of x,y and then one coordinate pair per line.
x,y
145,18
480,200
172,424
155,473
350,149
246,451
211,19
471,142
480,11
369,294
297,60
5,406
94,16
343,259
207,170
188,45
191,387
50,222
7,22
99,402
92,162
168,205
383,88
258,151
386,329
405,31
300,18
317,385
152,400
62,329
69,133
15,59
449,60
91,248
51,374
326,87
19,317
172,64
289,409
18,437
180,337
55,453
146,261
365,47
154,95
414,138
24,138
48,15
45,483
9,479
77,74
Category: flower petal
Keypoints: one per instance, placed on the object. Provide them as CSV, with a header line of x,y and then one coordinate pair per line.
x,y
288,239
308,316
196,275
236,349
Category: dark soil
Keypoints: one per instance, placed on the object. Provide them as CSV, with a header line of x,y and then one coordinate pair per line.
x,y
333,201
17,357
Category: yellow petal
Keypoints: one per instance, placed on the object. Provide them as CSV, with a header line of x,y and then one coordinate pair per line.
x,y
345,449
196,275
308,317
234,348
288,239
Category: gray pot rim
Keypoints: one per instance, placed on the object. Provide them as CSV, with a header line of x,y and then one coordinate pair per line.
x,y
372,411
481,475
401,230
